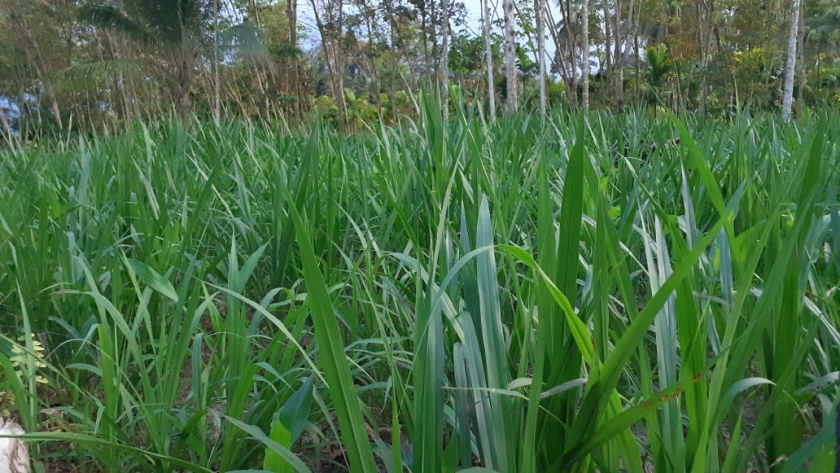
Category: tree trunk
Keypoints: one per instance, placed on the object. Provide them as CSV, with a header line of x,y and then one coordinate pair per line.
x,y
510,56
291,13
184,83
618,60
394,69
803,79
635,18
336,73
607,36
559,59
129,110
183,98
338,55
444,60
790,67
185,72
571,49
425,37
376,82
488,46
55,110
217,102
585,51
702,51
538,10
433,33
7,129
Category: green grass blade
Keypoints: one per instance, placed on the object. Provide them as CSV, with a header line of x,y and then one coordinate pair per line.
x,y
335,364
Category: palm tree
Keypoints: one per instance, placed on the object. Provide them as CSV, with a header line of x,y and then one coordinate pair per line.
x,y
826,27
170,29
824,30
659,69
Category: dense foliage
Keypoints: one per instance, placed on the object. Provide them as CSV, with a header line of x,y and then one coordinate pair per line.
x,y
81,64
610,292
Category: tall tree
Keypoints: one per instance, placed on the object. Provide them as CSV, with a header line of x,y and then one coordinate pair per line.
x,y
585,51
607,35
565,51
291,14
487,19
217,102
635,19
800,69
618,59
330,30
170,27
510,56
444,59
790,67
538,9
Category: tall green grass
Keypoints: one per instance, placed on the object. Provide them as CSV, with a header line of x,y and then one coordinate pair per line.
x,y
515,295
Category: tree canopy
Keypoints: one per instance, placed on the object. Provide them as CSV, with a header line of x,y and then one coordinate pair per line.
x,y
79,64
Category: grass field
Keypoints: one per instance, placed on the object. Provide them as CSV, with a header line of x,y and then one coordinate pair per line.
x,y
567,295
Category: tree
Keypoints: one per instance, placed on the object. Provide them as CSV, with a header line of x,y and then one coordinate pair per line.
x,y
538,9
33,54
444,59
659,68
291,15
126,55
800,70
331,29
217,102
171,28
487,20
790,67
565,36
510,56
585,51
619,58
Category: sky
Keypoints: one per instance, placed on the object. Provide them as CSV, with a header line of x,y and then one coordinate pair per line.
x,y
474,19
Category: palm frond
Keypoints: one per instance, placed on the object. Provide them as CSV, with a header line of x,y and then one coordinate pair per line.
x,y
172,20
98,70
286,52
244,39
110,17
659,65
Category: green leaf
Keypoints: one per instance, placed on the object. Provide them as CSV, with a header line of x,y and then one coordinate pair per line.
x,y
273,461
496,364
295,413
335,364
271,444
599,392
154,280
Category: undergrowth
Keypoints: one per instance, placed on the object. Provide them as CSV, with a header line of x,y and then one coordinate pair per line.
x,y
600,293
